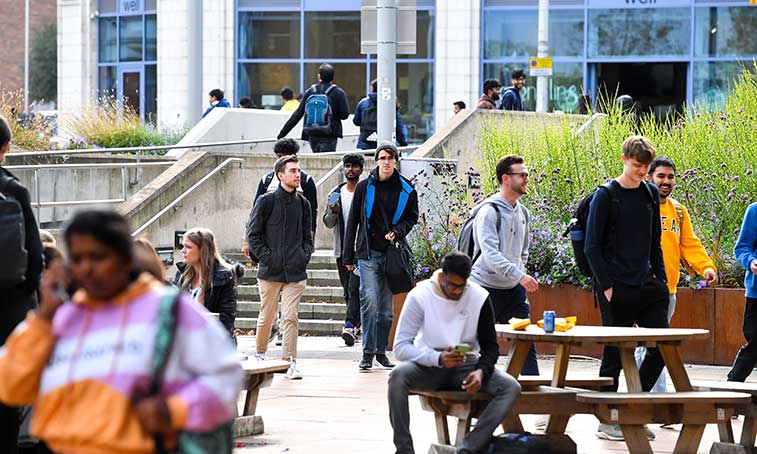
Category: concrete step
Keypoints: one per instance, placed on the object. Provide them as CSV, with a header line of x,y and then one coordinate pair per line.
x,y
322,259
308,311
306,327
333,294
316,278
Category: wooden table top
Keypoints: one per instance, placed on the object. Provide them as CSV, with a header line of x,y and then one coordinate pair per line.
x,y
602,334
261,367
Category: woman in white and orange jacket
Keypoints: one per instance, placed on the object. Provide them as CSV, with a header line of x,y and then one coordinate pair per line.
x,y
85,363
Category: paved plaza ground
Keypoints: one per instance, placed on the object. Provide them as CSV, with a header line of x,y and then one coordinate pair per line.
x,y
336,409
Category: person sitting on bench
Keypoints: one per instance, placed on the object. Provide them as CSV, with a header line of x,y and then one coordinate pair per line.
x,y
446,341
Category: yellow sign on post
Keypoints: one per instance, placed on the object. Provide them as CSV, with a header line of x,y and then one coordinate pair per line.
x,y
543,66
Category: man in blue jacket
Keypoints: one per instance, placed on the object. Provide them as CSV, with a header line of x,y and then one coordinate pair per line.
x,y
384,209
366,116
216,99
511,99
746,254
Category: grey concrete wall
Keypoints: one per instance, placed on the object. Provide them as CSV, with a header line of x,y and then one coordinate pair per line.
x,y
61,184
459,138
224,201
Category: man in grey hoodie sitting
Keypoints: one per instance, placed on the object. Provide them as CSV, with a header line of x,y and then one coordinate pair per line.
x,y
442,317
502,248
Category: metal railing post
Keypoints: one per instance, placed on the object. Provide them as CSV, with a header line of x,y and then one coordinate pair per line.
x,y
124,182
36,195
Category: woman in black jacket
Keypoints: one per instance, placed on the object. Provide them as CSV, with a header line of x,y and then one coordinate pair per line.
x,y
207,277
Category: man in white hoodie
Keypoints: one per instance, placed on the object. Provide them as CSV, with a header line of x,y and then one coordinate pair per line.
x,y
439,314
501,248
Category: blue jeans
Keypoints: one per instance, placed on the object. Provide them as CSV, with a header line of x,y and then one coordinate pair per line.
x,y
375,304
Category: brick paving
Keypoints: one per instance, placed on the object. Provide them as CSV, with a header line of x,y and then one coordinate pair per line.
x,y
336,409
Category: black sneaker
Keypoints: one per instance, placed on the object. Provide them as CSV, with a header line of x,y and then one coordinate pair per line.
x,y
367,361
383,360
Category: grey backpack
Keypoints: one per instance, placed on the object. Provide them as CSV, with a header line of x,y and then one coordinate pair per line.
x,y
15,260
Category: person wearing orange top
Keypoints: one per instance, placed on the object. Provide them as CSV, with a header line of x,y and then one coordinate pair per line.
x,y
679,243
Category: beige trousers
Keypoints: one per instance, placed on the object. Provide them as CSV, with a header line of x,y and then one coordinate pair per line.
x,y
290,293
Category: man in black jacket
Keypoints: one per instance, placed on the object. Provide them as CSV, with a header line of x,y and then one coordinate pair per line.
x,y
279,235
322,141
17,300
623,249
335,217
384,209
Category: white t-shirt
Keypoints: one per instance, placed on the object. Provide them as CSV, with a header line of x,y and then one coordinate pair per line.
x,y
347,197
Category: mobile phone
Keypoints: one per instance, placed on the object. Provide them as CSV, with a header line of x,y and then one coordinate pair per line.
x,y
462,349
333,198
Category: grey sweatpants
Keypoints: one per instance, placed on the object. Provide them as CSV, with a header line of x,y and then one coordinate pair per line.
x,y
503,388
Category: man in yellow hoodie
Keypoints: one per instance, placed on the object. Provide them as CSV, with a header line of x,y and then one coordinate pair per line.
x,y
679,242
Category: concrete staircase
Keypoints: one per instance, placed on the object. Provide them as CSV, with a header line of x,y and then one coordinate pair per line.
x,y
322,309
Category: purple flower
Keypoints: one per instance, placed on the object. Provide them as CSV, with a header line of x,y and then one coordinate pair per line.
x,y
435,247
430,236
701,284
426,269
687,279
549,281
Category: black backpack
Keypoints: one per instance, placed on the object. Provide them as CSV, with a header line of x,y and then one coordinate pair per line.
x,y
577,226
15,260
523,443
369,120
466,239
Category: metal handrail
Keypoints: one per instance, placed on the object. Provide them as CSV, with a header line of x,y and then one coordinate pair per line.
x,y
125,181
91,166
141,149
181,197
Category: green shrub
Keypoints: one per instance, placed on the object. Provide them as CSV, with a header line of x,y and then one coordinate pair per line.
x,y
29,134
714,152
106,124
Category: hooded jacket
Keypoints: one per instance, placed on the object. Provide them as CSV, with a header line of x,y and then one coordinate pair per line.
x,y
357,119
84,370
504,254
222,103
485,102
220,297
366,226
279,235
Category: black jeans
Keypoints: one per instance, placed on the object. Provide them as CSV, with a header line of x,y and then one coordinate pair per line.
x,y
323,145
746,358
510,303
645,306
351,285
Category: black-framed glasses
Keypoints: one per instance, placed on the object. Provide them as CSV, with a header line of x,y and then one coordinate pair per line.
x,y
523,175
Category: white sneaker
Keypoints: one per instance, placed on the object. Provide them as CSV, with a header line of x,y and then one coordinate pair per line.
x,y
293,373
258,356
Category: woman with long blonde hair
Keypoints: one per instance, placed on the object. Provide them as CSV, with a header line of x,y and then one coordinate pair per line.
x,y
206,276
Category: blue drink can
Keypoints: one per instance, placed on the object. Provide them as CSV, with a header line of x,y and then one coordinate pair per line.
x,y
549,321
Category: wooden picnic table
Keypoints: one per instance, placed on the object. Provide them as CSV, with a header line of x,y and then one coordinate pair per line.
x,y
626,340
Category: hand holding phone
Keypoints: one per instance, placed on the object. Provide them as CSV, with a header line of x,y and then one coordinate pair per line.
x,y
462,349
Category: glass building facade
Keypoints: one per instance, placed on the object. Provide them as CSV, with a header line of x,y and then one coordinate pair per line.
x,y
282,44
127,54
665,53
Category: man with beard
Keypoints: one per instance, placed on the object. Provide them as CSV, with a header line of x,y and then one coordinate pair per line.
x,y
491,94
337,211
679,243
511,99
501,265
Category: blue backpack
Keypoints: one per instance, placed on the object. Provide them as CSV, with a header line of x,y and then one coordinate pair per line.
x,y
318,113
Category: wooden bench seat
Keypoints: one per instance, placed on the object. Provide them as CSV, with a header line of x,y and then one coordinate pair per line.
x,y
749,428
258,374
693,409
466,406
574,381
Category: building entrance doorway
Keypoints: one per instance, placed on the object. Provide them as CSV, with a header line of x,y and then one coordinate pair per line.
x,y
658,89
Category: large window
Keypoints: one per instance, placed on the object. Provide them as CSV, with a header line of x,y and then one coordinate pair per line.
x,y
659,32
278,49
565,86
725,31
127,54
513,33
